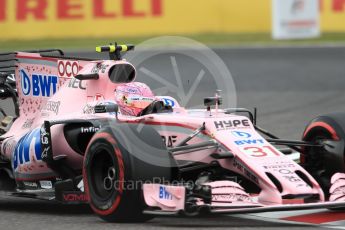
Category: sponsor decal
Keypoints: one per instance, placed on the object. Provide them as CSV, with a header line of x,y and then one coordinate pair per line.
x,y
286,169
29,143
250,142
338,6
169,140
67,11
231,124
295,19
138,98
164,194
129,90
230,197
99,68
25,82
88,109
290,176
52,106
46,184
168,102
68,68
245,171
279,166
77,84
30,184
241,134
75,197
28,123
45,152
262,151
44,135
99,96
90,129
38,85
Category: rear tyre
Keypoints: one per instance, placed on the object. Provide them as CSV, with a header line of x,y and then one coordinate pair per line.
x,y
118,160
322,164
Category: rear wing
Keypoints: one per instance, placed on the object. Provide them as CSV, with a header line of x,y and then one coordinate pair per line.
x,y
8,59
36,75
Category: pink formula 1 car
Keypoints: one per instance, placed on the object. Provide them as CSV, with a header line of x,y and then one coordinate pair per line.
x,y
86,132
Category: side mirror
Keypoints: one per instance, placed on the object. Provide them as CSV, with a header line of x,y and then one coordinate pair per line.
x,y
109,108
91,76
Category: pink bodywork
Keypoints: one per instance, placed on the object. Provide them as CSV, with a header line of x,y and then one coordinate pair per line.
x,y
337,189
254,157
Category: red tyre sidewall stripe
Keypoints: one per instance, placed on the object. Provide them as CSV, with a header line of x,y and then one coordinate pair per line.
x,y
325,126
116,203
321,124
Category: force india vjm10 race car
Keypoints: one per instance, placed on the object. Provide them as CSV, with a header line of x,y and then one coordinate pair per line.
x,y
85,132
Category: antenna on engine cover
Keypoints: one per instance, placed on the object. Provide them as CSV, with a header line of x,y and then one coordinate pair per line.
x,y
216,101
115,50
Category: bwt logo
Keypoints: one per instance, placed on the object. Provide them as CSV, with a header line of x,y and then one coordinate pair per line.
x,y
38,85
164,194
250,142
241,134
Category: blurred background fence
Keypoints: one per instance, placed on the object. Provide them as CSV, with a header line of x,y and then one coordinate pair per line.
x,y
61,19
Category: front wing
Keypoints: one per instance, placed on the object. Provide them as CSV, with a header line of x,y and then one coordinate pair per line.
x,y
170,200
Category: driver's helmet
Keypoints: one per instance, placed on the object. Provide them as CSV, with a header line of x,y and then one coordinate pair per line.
x,y
133,98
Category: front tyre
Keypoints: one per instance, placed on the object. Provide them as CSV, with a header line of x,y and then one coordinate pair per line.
x,y
114,172
321,163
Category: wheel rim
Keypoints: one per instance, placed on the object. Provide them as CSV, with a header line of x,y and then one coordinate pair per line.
x,y
104,174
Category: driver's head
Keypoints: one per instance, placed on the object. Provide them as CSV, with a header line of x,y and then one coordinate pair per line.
x,y
133,97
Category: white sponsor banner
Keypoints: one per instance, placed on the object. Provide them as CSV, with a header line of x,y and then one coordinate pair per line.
x,y
295,19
